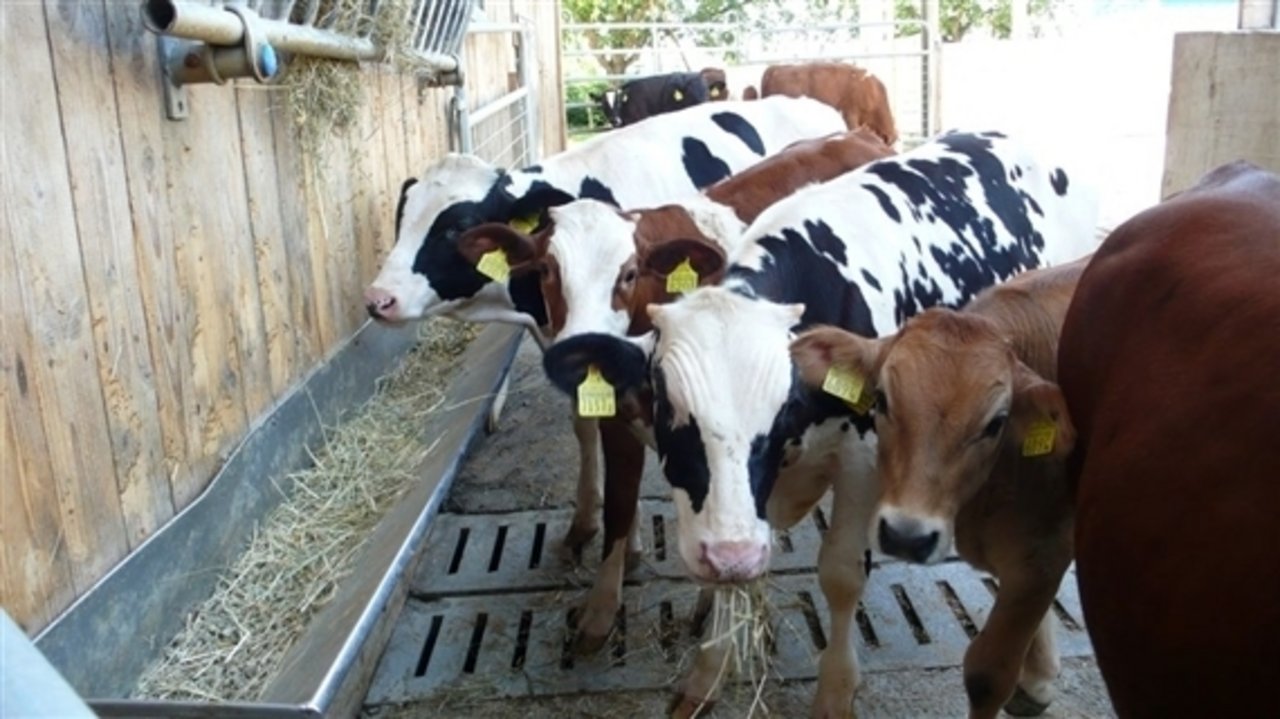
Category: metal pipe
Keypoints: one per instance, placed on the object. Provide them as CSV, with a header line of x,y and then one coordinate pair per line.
x,y
217,26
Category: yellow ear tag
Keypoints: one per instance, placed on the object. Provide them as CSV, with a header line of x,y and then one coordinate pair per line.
x,y
846,384
678,95
715,92
596,397
1039,439
493,264
682,279
524,225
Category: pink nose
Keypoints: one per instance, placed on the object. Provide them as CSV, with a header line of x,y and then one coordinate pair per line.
x,y
735,561
380,303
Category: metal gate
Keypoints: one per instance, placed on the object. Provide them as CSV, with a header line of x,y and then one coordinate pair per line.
x,y
902,53
504,131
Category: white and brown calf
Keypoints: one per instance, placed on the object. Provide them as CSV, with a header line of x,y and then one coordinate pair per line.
x,y
972,432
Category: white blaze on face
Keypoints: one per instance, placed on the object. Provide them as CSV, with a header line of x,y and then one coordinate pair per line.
x,y
726,366
455,179
591,245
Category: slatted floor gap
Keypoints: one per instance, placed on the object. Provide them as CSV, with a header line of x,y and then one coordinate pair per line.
x,y
490,611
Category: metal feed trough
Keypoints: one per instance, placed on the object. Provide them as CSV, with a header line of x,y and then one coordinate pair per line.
x,y
107,638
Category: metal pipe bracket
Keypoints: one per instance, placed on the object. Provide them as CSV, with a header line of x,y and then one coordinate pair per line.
x,y
188,62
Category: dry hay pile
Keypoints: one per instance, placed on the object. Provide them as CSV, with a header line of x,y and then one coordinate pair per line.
x,y
323,97
234,641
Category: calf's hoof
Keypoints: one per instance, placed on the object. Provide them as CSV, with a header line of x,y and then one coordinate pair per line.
x,y
575,540
592,632
684,706
1022,704
833,707
632,561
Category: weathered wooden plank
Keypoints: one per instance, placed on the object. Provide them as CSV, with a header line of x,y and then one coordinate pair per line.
x,y
1224,104
296,218
262,185
398,167
134,76
34,566
415,143
342,265
61,372
201,204
371,201
96,163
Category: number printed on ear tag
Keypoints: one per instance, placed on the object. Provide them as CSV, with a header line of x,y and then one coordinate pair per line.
x,y
493,264
1039,439
596,397
682,279
844,383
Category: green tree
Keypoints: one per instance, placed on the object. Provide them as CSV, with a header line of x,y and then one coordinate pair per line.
x,y
958,17
616,11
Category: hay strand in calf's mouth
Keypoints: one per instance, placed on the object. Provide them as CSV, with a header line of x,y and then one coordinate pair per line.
x,y
233,642
741,618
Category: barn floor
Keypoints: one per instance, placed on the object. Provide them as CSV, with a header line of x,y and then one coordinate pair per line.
x,y
482,634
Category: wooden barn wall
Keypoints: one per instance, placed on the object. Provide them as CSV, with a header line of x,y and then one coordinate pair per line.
x,y
163,284
1224,104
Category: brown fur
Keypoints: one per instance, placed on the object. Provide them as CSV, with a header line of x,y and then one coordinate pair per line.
x,y
937,380
857,94
1168,363
802,163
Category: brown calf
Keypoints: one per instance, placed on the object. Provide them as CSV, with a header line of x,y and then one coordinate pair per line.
x,y
1168,363
857,94
960,398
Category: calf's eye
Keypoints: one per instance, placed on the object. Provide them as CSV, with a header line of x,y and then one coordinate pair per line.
x,y
995,426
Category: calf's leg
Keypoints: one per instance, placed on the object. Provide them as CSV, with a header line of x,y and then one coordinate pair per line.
x,y
994,659
623,466
842,574
585,523
1039,670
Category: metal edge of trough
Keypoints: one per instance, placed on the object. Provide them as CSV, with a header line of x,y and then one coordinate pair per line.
x,y
105,639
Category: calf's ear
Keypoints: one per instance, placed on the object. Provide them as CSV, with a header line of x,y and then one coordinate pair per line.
x,y
521,249
816,351
1039,421
706,258
622,362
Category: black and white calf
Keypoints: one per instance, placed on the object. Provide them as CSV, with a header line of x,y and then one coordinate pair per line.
x,y
662,159
744,445
658,160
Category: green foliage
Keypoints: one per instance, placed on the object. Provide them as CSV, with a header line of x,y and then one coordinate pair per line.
x,y
959,17
590,117
616,11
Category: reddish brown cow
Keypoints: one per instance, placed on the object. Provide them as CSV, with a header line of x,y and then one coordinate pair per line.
x,y
1168,362
957,396
857,94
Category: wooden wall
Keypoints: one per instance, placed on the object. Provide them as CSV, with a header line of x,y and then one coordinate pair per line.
x,y
1224,104
163,284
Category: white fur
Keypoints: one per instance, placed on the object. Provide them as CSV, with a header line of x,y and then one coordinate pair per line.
x,y
641,164
590,244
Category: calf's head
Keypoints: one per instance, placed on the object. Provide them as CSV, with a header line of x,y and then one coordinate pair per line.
x,y
424,275
599,268
722,394
951,400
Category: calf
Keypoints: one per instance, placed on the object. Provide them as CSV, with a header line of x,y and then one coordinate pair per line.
x,y
858,95
681,153
862,252
588,262
971,434
645,97
1168,366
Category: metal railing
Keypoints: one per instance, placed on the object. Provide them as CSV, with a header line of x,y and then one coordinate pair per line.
x,y
505,131
670,45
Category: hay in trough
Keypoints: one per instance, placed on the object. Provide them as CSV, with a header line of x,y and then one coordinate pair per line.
x,y
233,643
